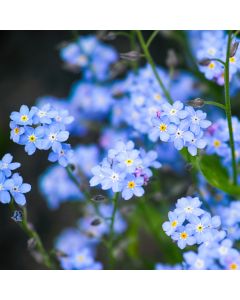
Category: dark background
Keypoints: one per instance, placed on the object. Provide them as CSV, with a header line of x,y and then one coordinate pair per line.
x,y
30,67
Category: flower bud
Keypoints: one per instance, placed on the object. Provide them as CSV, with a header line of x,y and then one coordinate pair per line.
x,y
130,56
233,49
171,60
99,198
96,222
204,62
198,102
17,216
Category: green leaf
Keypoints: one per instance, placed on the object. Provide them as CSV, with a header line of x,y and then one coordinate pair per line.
x,y
213,171
217,175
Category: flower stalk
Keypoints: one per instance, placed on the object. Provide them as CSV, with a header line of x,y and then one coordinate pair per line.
x,y
228,109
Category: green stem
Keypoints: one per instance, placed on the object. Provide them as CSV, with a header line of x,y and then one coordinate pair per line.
x,y
228,109
152,37
32,234
215,104
152,64
111,240
133,47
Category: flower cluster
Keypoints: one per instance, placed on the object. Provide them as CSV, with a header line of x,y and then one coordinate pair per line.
x,y
91,56
11,185
140,97
189,224
212,45
44,129
181,125
125,170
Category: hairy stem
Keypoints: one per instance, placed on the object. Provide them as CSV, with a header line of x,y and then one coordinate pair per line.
x,y
152,64
32,234
228,109
111,239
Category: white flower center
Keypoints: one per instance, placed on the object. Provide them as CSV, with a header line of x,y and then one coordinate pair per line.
x,y
195,119
173,112
42,113
114,177
188,209
52,137
179,133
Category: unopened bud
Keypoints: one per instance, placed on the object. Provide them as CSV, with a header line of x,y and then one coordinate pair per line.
x,y
98,198
204,62
198,102
131,56
171,60
96,222
110,36
233,49
17,216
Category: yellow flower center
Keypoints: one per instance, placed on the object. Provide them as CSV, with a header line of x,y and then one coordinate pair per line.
x,y
24,118
174,223
183,235
16,130
233,266
32,138
157,97
128,162
163,127
80,258
131,184
216,143
211,65
232,59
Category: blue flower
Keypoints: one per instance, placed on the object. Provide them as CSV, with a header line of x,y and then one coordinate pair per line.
x,y
174,221
195,142
7,166
129,160
17,188
56,187
113,178
180,134
33,139
80,260
162,129
197,261
54,136
184,237
91,55
63,155
44,114
4,193
188,206
16,131
24,116
174,112
132,186
203,227
197,120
